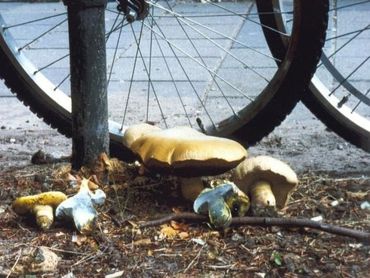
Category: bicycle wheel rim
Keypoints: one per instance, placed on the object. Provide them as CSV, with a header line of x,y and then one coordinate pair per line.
x,y
251,124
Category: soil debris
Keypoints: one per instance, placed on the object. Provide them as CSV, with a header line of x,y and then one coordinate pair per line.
x,y
120,247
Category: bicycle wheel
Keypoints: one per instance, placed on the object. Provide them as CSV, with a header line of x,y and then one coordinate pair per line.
x,y
171,63
339,92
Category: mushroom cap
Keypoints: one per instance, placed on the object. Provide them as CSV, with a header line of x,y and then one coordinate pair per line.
x,y
135,131
221,202
265,168
183,151
26,204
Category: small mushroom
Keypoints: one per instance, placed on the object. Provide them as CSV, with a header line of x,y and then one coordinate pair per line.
x,y
221,203
80,208
41,206
189,154
268,181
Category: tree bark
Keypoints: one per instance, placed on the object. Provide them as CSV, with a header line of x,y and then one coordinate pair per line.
x,y
90,132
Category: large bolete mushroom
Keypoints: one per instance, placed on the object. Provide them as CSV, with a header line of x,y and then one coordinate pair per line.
x,y
268,182
188,153
40,205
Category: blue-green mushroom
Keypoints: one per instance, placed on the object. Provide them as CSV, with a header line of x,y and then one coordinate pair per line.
x,y
221,203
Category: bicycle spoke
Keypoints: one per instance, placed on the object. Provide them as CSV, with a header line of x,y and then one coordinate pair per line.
x,y
247,18
224,49
61,82
33,21
43,34
150,69
349,33
147,73
132,76
344,45
187,18
173,80
349,5
67,55
171,45
360,101
52,63
114,56
204,63
349,75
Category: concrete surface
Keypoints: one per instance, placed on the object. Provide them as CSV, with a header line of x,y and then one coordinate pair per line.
x,y
301,139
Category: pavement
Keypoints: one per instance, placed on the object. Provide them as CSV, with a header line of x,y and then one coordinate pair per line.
x,y
301,140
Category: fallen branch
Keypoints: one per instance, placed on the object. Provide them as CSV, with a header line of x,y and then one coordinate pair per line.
x,y
267,222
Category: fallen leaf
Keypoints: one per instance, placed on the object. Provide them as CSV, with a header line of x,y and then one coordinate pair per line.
x,y
167,232
132,223
183,235
357,195
92,185
141,242
105,159
79,239
198,241
276,258
179,226
115,275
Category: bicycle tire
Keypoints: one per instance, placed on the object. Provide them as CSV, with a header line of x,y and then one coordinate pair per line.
x,y
340,119
255,121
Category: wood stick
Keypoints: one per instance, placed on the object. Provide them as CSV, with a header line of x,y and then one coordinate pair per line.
x,y
267,222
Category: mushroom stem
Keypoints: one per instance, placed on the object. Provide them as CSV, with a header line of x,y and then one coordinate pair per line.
x,y
261,195
44,216
191,187
84,218
219,213
40,205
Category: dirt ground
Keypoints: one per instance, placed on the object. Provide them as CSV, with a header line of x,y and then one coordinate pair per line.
x,y
330,170
334,183
181,249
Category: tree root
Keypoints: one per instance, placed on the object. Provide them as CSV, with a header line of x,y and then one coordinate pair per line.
x,y
267,222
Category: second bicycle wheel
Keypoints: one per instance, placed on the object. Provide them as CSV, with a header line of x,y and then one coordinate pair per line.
x,y
339,93
205,65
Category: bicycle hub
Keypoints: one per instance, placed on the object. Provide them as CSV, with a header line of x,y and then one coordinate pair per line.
x,y
133,9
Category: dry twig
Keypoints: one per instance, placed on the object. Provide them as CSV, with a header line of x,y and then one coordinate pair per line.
x,y
266,222
16,262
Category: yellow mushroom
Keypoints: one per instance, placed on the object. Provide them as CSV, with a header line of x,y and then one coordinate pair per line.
x,y
189,154
268,181
40,205
186,152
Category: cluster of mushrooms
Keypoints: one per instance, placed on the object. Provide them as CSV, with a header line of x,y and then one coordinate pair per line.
x,y
261,184
80,208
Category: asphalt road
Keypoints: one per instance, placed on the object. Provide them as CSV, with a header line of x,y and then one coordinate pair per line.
x,y
301,140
